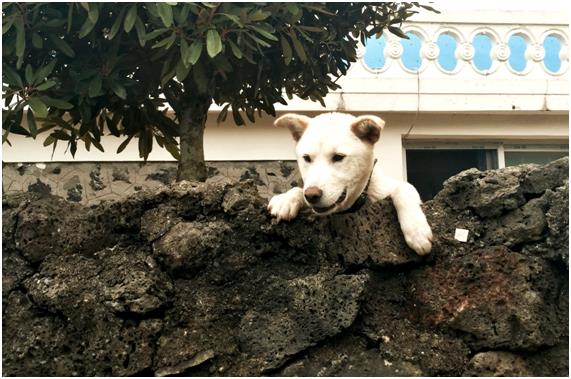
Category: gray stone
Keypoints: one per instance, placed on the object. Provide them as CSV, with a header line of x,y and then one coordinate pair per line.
x,y
487,193
315,307
497,363
369,237
495,297
550,176
196,280
522,225
81,288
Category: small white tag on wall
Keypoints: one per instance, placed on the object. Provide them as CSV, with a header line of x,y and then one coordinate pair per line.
x,y
461,235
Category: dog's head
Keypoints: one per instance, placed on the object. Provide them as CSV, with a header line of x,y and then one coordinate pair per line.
x,y
335,156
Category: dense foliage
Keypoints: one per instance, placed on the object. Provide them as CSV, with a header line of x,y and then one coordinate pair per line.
x,y
85,68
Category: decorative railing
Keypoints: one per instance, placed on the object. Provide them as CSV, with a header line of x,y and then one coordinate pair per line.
x,y
487,48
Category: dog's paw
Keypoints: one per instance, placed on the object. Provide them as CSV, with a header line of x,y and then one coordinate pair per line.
x,y
285,206
417,234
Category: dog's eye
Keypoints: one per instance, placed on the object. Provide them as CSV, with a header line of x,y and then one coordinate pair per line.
x,y
306,158
337,157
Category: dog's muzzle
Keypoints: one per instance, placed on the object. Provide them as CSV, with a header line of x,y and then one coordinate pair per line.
x,y
326,209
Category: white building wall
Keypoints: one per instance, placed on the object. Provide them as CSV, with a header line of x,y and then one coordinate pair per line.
x,y
496,106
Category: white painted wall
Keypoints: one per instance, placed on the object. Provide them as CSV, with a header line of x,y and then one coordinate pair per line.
x,y
262,141
500,105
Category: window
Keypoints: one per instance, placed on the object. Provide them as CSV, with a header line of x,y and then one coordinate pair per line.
x,y
533,153
429,166
430,163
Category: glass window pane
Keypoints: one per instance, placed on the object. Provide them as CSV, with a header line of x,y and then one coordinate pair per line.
x,y
428,169
514,158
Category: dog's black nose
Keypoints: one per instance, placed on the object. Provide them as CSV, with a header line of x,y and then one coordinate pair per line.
x,y
312,194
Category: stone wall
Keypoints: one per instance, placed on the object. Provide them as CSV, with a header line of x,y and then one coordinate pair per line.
x,y
196,280
90,183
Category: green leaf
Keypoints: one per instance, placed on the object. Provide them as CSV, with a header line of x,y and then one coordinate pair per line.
x,y
396,31
11,76
7,24
165,13
37,40
20,37
58,103
172,149
194,52
235,49
213,43
182,70
44,72
29,74
234,18
116,24
86,28
298,47
167,42
124,144
182,16
49,140
93,13
259,15
61,45
32,123
238,119
130,18
61,135
94,87
141,34
286,50
40,109
118,90
184,51
47,84
265,33
155,33
223,114
69,18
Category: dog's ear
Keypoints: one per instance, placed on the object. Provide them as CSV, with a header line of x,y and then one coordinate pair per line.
x,y
368,128
296,124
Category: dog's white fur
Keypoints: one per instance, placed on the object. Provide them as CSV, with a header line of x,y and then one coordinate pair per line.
x,y
318,140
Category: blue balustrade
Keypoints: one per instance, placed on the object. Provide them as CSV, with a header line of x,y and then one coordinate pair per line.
x,y
552,46
411,58
517,45
447,44
375,52
482,51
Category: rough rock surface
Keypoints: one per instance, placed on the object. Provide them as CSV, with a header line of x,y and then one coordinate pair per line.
x,y
196,279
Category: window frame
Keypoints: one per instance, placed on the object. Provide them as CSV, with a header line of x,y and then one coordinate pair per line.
x,y
501,147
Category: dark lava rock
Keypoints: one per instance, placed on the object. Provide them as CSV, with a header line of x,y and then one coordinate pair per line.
x,y
497,363
550,176
488,193
195,279
496,297
368,237
348,355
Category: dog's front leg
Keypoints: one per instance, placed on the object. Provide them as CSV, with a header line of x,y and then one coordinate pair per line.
x,y
417,232
287,205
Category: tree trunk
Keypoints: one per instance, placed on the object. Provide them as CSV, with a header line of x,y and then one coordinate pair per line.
x,y
192,120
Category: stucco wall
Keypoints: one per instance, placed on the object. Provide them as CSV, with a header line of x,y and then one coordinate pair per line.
x,y
263,142
90,183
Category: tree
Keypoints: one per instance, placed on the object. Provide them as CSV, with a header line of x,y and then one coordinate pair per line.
x,y
82,67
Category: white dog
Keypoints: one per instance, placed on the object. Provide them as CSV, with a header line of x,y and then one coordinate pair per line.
x,y
336,160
